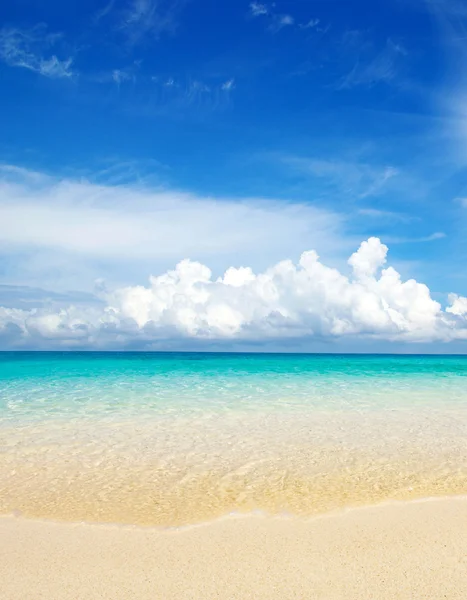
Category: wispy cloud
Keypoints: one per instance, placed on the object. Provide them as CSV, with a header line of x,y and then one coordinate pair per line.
x,y
379,182
450,18
386,215
276,21
131,226
281,21
115,171
148,19
32,49
141,21
371,70
103,12
177,96
228,85
311,24
438,235
156,95
451,8
257,9
15,174
195,92
26,298
120,76
357,179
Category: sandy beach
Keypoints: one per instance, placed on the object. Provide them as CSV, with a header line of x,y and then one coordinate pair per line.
x,y
407,550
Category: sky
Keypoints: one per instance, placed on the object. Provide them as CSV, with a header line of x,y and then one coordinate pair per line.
x,y
200,175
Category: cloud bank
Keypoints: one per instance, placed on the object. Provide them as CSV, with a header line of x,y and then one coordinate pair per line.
x,y
62,233
287,301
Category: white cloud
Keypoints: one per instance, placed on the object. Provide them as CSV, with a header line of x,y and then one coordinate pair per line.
x,y
76,226
257,9
141,13
458,305
438,235
286,20
228,85
280,21
76,229
103,12
120,76
358,179
180,94
311,24
158,224
143,19
31,49
308,300
387,174
433,237
382,68
387,215
276,21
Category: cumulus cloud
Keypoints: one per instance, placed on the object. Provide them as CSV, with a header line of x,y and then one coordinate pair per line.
x,y
458,305
308,300
127,231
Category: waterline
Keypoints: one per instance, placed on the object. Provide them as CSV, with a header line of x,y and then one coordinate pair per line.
x,y
170,440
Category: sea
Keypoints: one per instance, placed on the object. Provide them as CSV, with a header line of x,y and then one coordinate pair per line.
x,y
174,439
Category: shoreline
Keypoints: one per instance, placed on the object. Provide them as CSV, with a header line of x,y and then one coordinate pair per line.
x,y
257,514
394,550
179,471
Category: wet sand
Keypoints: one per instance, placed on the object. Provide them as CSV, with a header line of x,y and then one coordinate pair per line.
x,y
413,550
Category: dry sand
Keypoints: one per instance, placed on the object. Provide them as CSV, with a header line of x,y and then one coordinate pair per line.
x,y
411,551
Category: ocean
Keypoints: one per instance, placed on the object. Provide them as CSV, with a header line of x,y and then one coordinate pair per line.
x,y
173,439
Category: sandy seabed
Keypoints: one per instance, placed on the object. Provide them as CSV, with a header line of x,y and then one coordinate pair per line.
x,y
410,551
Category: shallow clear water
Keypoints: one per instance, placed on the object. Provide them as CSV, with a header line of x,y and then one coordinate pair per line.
x,y
170,438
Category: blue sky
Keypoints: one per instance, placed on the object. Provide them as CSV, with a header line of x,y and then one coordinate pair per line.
x,y
245,133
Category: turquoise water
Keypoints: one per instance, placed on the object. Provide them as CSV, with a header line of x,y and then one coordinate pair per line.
x,y
180,437
50,384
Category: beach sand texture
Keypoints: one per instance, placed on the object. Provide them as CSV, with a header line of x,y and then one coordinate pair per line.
x,y
414,550
342,450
